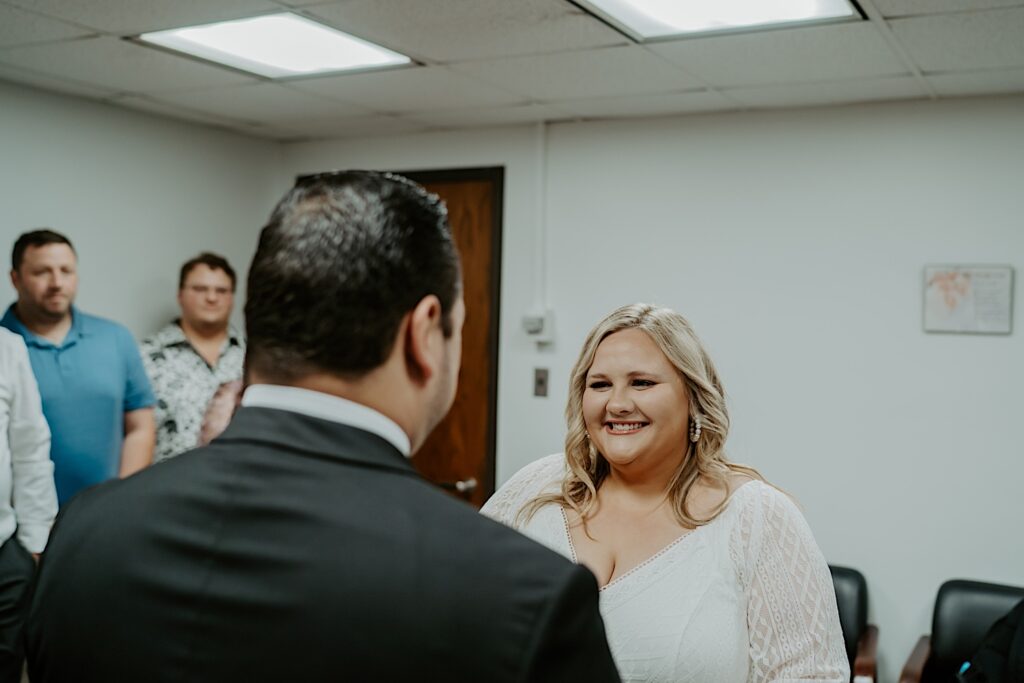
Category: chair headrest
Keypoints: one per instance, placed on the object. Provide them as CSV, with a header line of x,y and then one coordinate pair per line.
x,y
964,612
852,600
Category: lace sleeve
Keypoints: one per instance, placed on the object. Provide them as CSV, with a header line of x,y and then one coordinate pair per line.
x,y
539,476
792,617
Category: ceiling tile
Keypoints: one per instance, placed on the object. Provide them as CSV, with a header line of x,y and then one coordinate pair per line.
x,y
270,132
18,27
902,8
646,105
978,82
266,103
961,42
352,127
125,17
150,106
835,92
591,73
119,65
410,89
35,79
452,30
492,116
810,53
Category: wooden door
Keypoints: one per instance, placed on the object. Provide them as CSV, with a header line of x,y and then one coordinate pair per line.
x,y
459,454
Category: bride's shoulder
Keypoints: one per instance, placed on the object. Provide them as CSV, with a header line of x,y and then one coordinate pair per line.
x,y
761,506
540,476
539,473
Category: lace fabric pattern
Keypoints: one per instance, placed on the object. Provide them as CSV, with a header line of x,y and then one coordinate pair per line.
x,y
525,485
791,606
747,597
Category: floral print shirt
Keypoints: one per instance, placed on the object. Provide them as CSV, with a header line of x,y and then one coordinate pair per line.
x,y
184,384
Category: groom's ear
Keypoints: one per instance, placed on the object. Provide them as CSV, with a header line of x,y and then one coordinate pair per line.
x,y
423,340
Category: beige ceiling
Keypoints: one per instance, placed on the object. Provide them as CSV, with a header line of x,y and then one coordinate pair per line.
x,y
497,62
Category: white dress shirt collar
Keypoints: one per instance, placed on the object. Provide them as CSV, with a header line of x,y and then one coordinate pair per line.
x,y
327,407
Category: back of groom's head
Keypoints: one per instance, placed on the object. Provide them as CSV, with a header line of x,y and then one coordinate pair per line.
x,y
343,259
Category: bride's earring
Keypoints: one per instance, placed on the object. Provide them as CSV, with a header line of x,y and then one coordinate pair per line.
x,y
695,430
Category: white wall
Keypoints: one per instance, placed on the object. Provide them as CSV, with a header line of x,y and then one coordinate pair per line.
x,y
137,195
795,242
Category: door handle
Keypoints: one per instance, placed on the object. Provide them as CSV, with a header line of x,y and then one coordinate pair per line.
x,y
461,486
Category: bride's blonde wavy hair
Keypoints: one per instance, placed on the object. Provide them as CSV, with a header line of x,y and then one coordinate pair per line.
x,y
587,468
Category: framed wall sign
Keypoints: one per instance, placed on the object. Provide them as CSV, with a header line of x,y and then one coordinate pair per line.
x,y
968,299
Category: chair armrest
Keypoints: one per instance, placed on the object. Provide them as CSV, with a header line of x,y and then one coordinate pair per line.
x,y
865,664
915,662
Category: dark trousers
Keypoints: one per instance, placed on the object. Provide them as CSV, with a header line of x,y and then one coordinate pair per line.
x,y
16,570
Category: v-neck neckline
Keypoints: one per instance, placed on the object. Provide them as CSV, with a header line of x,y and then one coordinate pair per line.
x,y
658,554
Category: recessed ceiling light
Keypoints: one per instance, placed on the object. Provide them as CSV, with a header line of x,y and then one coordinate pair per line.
x,y
648,19
276,46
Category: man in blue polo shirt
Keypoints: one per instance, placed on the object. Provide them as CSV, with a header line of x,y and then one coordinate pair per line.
x,y
96,397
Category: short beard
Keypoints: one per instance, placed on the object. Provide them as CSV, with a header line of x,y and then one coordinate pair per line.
x,y
42,313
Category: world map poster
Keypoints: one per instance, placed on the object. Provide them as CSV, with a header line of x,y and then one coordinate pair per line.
x,y
968,299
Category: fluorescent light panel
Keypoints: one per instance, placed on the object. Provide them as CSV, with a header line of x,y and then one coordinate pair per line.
x,y
647,19
276,46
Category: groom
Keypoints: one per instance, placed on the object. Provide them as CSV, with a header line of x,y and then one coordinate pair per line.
x,y
301,545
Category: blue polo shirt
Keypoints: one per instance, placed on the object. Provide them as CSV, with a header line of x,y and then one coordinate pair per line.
x,y
87,384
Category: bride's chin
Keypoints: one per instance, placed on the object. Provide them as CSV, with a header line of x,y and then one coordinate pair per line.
x,y
620,460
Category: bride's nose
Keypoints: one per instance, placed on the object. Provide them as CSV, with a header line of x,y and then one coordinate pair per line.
x,y
619,402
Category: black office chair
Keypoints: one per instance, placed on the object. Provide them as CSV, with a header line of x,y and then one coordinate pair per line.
x,y
964,612
860,637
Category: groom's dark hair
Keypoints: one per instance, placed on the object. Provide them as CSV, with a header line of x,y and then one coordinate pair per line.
x,y
344,257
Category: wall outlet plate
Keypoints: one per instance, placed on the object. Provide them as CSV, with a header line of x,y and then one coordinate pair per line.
x,y
540,381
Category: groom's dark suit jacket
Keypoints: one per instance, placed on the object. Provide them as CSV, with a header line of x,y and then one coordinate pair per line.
x,y
298,549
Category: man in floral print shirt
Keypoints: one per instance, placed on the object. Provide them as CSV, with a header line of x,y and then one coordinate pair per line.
x,y
189,359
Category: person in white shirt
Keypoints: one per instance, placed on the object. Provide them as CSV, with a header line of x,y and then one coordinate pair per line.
x,y
28,497
707,572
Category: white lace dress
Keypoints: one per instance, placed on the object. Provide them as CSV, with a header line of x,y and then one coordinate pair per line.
x,y
747,597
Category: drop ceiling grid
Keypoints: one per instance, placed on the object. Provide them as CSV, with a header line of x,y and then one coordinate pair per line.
x,y
498,62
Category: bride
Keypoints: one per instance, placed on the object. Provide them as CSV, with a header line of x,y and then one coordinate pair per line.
x,y
708,573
